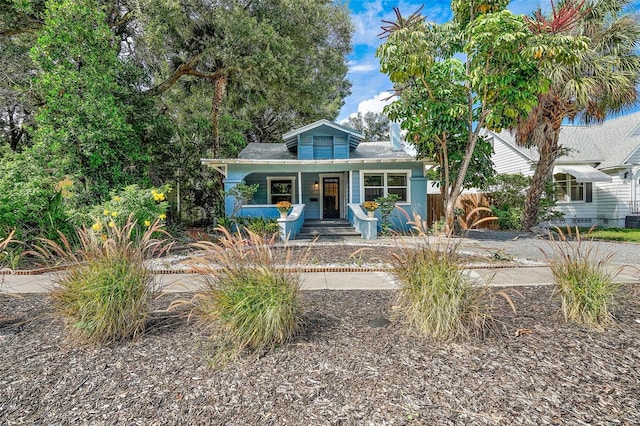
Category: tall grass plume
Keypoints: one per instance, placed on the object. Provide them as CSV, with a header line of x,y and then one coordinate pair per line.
x,y
251,292
583,281
103,294
435,294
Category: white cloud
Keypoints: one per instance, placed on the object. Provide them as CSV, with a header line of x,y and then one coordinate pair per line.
x,y
355,67
375,104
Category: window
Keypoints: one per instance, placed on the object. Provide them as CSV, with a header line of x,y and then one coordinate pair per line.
x,y
567,188
280,189
381,184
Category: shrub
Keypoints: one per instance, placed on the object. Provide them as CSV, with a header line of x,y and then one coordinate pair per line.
x,y
263,227
435,295
31,199
507,194
104,293
582,279
251,296
241,194
144,205
386,205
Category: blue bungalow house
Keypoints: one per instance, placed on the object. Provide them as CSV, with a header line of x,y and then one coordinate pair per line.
x,y
325,171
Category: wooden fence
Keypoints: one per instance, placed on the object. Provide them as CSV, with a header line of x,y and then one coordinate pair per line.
x,y
466,202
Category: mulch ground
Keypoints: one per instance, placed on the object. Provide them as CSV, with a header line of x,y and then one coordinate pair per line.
x,y
338,371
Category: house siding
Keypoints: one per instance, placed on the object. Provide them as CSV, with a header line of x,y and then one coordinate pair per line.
x,y
313,145
613,201
508,160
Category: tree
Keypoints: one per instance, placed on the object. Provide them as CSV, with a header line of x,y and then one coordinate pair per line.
x,y
374,126
270,61
444,101
19,21
89,125
601,81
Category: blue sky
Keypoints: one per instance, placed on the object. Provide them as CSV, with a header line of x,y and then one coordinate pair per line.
x,y
369,86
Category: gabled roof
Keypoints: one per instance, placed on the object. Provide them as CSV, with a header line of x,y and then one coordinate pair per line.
x,y
291,138
279,151
509,139
606,145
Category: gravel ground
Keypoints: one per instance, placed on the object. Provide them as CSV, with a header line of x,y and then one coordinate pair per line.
x,y
338,371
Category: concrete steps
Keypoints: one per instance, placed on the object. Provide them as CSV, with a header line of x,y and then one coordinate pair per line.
x,y
326,229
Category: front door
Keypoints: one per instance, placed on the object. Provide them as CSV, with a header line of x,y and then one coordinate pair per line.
x,y
330,197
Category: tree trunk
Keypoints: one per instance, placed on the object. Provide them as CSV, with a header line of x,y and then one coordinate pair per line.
x,y
548,154
542,130
218,96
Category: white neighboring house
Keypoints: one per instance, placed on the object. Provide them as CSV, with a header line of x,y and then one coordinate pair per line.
x,y
597,181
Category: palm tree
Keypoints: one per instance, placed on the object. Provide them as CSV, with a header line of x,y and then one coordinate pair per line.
x,y
601,82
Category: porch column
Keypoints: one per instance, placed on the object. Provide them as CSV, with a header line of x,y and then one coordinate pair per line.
x,y
419,196
299,187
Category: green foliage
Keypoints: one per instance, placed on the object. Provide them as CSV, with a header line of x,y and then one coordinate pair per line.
x,y
386,205
255,63
31,201
242,194
251,299
507,194
144,205
85,126
582,280
264,227
592,66
444,102
435,294
104,294
374,126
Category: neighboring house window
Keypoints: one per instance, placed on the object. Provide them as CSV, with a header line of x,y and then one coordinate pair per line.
x,y
381,184
568,189
280,189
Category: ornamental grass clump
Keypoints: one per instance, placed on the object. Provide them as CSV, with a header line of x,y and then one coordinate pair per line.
x,y
104,291
582,280
251,296
435,295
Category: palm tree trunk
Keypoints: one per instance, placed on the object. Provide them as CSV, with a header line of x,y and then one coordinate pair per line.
x,y
542,130
542,173
219,92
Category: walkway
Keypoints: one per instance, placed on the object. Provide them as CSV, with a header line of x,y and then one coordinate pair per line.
x,y
498,277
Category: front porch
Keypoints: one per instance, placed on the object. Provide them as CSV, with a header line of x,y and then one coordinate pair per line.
x,y
296,224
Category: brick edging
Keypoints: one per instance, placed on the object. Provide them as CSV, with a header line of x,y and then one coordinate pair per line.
x,y
302,269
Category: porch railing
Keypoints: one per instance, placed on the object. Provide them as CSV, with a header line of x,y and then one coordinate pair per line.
x,y
366,226
291,225
634,207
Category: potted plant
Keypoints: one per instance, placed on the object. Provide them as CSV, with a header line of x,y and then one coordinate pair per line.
x,y
283,207
370,207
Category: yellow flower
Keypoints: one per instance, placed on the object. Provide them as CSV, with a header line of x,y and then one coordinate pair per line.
x,y
97,226
147,223
117,199
112,224
162,216
161,196
106,212
114,214
103,237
